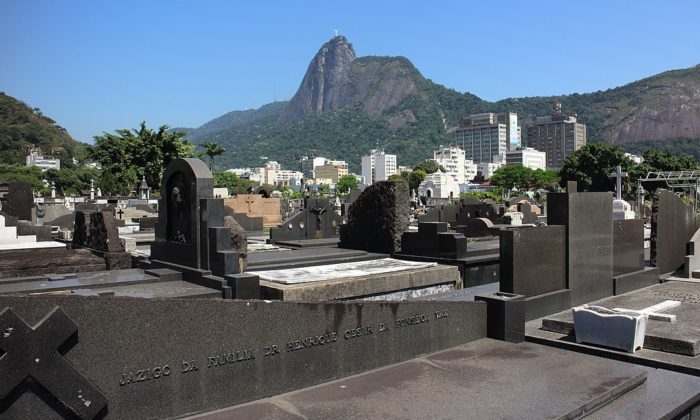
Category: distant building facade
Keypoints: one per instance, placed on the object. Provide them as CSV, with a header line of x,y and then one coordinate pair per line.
x,y
378,166
527,157
34,158
558,136
438,185
330,171
485,138
452,158
309,164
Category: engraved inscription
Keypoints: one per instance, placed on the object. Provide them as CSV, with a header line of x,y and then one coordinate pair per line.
x,y
412,320
313,341
357,332
271,350
145,375
230,358
189,366
441,313
383,327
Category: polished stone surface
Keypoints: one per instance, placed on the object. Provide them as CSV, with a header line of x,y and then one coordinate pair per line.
x,y
628,246
673,223
589,244
93,280
533,260
484,379
164,358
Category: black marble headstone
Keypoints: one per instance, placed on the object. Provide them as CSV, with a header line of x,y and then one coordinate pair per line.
x,y
434,239
533,260
20,201
628,246
190,230
317,220
589,247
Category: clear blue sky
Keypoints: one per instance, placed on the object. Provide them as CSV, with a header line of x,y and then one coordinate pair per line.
x,y
97,66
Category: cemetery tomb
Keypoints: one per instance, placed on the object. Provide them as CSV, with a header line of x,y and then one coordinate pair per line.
x,y
10,240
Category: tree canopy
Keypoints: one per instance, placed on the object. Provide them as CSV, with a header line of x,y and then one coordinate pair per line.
x,y
234,183
524,178
591,166
211,150
127,155
345,184
429,166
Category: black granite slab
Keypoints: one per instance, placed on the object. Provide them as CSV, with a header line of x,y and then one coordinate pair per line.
x,y
168,289
533,260
306,256
673,223
484,379
681,337
628,282
628,246
166,358
79,281
589,245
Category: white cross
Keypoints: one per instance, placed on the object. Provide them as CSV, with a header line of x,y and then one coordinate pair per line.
x,y
619,175
654,311
336,32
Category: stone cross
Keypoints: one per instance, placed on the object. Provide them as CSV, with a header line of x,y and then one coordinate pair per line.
x,y
654,311
33,352
619,175
120,213
249,201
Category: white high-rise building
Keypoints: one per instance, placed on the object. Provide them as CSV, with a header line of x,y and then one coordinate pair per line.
x,y
378,166
452,158
309,164
527,157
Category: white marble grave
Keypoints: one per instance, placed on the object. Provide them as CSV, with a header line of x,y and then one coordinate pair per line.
x,y
340,271
9,240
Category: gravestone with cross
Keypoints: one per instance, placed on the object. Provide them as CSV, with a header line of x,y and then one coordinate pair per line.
x,y
190,234
33,352
621,208
317,220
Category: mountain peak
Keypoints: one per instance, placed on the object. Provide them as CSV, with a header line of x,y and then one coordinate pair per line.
x,y
325,82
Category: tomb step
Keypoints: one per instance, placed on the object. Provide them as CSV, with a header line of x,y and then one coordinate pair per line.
x,y
164,274
695,274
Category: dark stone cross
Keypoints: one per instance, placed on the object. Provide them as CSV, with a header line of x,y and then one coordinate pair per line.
x,y
33,352
120,213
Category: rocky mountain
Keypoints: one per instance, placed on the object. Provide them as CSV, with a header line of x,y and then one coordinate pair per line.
x,y
346,104
22,127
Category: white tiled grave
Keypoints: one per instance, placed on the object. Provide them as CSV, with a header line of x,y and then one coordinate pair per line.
x,y
340,271
10,241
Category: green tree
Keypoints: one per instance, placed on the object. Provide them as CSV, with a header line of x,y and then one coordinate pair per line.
x,y
591,166
429,166
127,155
211,150
234,183
546,180
71,181
346,183
510,176
21,173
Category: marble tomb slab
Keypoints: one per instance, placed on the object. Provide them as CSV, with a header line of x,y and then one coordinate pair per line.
x,y
340,271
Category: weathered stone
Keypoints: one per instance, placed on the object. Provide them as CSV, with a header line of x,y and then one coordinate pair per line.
x,y
673,223
378,218
20,201
239,241
96,230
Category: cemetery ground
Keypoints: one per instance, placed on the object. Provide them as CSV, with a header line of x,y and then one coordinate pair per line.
x,y
344,309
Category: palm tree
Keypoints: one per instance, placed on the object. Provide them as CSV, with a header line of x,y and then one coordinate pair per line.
x,y
212,149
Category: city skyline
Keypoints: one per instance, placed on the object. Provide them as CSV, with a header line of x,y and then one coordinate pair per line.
x,y
98,67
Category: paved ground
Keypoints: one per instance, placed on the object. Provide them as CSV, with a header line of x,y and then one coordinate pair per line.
x,y
487,379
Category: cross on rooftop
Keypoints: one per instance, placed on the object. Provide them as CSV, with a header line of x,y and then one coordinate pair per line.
x,y
618,175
